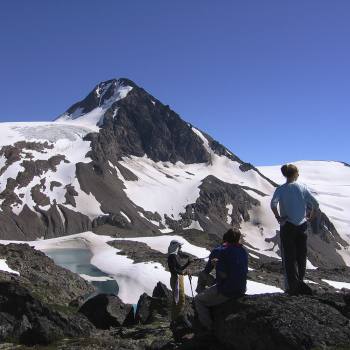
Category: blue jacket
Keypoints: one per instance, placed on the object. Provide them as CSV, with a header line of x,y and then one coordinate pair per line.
x,y
215,253
232,270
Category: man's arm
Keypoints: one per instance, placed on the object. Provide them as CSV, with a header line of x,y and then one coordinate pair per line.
x,y
220,265
175,266
311,202
213,258
274,203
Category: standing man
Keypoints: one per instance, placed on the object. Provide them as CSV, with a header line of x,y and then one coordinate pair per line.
x,y
296,205
231,278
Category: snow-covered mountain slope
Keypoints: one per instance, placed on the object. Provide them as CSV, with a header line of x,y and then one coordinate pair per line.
x,y
38,181
121,162
43,142
329,181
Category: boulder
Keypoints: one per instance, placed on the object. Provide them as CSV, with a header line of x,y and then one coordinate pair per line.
x,y
144,309
26,320
106,310
161,291
50,283
158,306
275,321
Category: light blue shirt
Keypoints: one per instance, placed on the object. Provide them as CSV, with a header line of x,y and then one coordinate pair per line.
x,y
293,199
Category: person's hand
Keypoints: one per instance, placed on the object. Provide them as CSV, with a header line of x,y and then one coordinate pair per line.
x,y
281,219
310,215
278,218
214,261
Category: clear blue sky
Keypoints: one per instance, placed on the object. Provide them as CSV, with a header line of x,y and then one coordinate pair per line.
x,y
269,79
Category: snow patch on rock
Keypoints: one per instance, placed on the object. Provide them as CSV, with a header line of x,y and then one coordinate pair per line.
x,y
6,268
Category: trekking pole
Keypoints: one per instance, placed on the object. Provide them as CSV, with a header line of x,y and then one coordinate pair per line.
x,y
190,279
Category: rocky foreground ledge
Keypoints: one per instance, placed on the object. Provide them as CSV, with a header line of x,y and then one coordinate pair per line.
x,y
32,319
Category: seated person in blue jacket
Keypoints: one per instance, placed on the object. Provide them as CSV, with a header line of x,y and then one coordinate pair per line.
x,y
231,278
205,278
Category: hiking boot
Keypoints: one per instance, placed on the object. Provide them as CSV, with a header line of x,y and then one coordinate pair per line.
x,y
304,289
301,289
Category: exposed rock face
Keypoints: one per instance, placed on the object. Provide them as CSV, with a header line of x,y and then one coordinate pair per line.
x,y
145,127
12,153
107,188
139,252
210,209
44,217
74,221
324,240
282,322
70,194
155,307
105,311
39,274
158,306
270,321
25,319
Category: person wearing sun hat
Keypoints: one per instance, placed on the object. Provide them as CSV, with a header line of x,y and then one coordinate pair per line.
x,y
177,271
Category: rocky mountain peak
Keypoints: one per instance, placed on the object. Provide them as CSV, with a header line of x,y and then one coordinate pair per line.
x,y
99,100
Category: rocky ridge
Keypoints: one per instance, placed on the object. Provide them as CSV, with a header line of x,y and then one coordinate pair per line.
x,y
39,316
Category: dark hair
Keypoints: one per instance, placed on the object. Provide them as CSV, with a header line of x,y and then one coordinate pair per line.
x,y
232,236
289,170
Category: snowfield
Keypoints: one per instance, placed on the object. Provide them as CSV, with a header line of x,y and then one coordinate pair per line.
x,y
159,181
133,279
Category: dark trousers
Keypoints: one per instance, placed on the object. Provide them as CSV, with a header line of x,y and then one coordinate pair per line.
x,y
294,253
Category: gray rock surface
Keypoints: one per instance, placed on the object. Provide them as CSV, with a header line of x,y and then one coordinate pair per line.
x,y
26,320
105,311
50,283
281,322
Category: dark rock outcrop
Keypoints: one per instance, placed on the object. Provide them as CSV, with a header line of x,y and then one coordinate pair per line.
x,y
160,134
139,252
75,221
26,320
105,311
50,283
281,322
210,208
324,241
267,321
157,307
